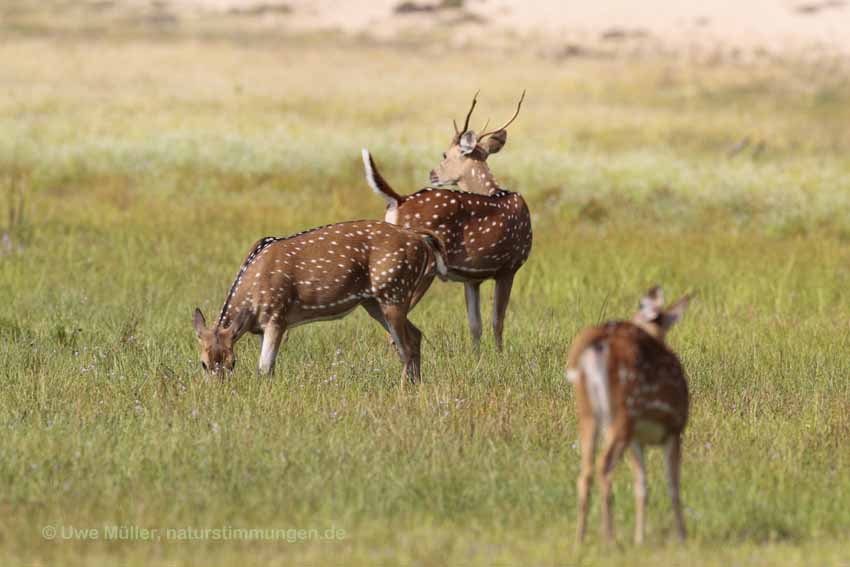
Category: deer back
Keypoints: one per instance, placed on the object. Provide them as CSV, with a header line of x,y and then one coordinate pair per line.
x,y
484,235
327,271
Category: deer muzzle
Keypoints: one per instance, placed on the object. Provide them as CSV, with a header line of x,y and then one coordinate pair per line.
x,y
434,178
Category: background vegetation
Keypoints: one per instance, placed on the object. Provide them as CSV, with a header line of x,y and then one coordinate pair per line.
x,y
135,172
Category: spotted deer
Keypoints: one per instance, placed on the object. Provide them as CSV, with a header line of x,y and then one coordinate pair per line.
x,y
631,388
323,274
486,229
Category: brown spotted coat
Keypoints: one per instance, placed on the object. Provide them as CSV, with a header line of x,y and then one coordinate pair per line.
x,y
324,274
487,233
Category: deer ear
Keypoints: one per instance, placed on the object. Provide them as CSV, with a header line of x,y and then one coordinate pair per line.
x,y
467,142
200,323
674,314
494,142
651,304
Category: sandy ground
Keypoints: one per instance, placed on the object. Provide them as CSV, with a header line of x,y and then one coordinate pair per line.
x,y
821,26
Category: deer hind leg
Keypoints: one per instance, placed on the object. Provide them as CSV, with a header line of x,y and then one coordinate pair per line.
x,y
415,336
587,443
373,308
613,450
673,458
501,298
419,292
636,463
407,339
272,335
472,293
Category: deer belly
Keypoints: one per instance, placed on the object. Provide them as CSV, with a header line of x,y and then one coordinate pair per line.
x,y
649,432
484,252
300,317
321,309
474,267
323,299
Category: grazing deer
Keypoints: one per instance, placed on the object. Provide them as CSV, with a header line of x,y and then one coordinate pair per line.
x,y
322,274
486,229
630,387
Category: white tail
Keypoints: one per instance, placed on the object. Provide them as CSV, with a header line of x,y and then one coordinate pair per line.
x,y
376,182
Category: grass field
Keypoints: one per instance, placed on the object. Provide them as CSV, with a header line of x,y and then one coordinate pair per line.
x,y
143,170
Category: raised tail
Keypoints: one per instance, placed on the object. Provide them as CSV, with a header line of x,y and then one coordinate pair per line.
x,y
438,247
580,344
378,184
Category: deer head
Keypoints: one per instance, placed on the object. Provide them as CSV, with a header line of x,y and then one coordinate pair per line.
x,y
464,163
216,344
654,318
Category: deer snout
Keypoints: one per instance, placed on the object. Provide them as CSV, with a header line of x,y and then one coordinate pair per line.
x,y
221,369
433,178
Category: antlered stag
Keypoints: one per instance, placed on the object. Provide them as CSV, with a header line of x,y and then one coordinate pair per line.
x,y
322,274
486,229
631,388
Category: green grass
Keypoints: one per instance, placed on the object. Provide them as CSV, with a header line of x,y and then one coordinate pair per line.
x,y
148,169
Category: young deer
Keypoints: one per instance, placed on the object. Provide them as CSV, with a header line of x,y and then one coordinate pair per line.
x,y
486,229
322,274
630,387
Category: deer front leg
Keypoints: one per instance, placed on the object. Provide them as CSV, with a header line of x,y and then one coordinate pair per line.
x,y
472,293
272,336
501,298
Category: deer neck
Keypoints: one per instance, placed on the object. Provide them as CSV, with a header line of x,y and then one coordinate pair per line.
x,y
479,179
652,330
226,320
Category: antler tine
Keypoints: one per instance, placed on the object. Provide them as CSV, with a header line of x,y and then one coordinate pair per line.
x,y
483,128
469,114
509,122
454,122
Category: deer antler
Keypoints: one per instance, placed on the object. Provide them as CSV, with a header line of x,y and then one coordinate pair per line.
x,y
469,114
509,122
487,123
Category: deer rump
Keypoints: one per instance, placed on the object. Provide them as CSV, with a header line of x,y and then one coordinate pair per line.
x,y
485,235
609,365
